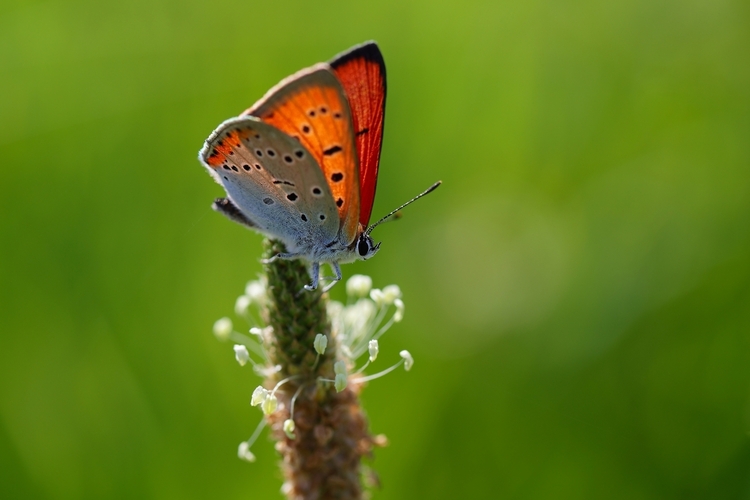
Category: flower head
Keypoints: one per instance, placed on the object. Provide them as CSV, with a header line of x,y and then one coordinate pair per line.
x,y
359,326
340,382
391,293
241,354
289,428
373,348
256,292
357,317
377,296
259,395
241,305
399,314
223,328
244,452
339,367
358,286
408,360
269,405
320,343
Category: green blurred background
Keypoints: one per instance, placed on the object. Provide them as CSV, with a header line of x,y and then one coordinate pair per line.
x,y
577,293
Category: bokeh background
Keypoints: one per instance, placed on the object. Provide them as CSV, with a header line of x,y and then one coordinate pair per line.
x,y
577,293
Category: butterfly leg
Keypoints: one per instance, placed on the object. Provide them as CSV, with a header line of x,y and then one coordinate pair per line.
x,y
316,278
282,256
334,279
314,274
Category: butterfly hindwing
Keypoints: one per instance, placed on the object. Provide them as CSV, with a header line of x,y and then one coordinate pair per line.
x,y
311,107
361,71
272,179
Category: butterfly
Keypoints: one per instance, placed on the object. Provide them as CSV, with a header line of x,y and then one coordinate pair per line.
x,y
301,165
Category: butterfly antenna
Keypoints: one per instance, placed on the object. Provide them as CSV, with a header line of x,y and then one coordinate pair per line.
x,y
426,192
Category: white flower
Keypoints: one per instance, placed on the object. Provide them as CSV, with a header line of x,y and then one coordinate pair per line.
x,y
259,395
359,326
340,382
356,317
408,360
377,296
373,348
241,305
289,428
223,328
358,286
391,293
269,404
244,452
241,354
320,343
334,308
399,314
256,292
339,367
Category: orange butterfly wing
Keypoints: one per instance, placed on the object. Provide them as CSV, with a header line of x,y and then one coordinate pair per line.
x,y
311,107
361,71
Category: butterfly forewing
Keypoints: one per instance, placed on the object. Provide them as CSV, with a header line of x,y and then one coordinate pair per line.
x,y
273,180
361,71
311,107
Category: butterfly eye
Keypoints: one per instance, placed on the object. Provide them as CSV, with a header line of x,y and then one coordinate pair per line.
x,y
363,247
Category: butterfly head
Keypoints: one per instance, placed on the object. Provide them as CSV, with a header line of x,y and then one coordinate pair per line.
x,y
366,247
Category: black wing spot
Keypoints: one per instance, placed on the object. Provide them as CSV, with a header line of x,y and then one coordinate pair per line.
x,y
235,168
225,178
339,202
268,201
246,167
231,153
257,166
322,217
219,143
332,150
288,159
362,132
225,167
337,115
299,153
259,153
311,113
257,136
279,181
323,110
306,129
337,176
270,152
292,197
316,191
304,217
